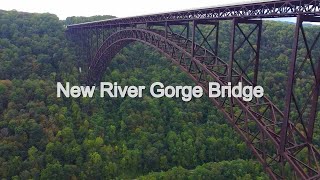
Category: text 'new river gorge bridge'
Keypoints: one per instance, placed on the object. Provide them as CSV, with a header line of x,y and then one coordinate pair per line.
x,y
281,139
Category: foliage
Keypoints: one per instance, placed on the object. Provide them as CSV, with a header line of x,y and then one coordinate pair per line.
x,y
45,137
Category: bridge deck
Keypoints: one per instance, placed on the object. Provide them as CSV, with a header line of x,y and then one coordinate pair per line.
x,y
255,9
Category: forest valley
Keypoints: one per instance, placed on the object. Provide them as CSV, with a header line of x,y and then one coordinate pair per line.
x,y
45,137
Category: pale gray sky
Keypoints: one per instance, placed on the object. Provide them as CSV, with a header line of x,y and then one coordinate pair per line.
x,y
119,8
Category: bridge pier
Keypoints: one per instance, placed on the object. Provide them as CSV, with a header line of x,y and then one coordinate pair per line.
x,y
245,66
295,110
205,37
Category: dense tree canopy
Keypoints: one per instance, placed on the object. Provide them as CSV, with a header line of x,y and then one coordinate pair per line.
x,y
45,137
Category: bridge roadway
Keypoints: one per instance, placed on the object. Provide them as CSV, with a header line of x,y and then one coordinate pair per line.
x,y
284,150
263,9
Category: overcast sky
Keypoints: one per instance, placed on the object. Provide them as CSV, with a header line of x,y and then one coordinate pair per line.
x,y
119,8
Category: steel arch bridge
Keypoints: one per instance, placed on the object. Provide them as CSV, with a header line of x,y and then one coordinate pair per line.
x,y
281,139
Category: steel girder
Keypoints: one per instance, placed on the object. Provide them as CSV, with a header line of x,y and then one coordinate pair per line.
x,y
302,114
259,121
267,9
281,140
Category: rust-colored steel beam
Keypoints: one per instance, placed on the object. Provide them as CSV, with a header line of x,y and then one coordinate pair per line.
x,y
246,66
262,136
266,9
288,99
281,140
302,114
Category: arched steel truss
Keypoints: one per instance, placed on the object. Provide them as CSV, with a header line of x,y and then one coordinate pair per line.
x,y
282,140
258,121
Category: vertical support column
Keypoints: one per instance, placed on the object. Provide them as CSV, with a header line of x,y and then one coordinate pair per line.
x,y
232,41
256,63
86,44
253,64
97,38
103,34
264,155
89,36
193,37
285,123
166,29
314,100
316,88
313,113
231,61
188,33
314,104
91,33
81,40
217,39
110,30
81,43
188,30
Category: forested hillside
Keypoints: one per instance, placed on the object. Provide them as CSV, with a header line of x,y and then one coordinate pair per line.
x,y
45,137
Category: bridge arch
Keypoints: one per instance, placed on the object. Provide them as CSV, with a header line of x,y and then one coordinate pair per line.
x,y
113,44
258,121
284,148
